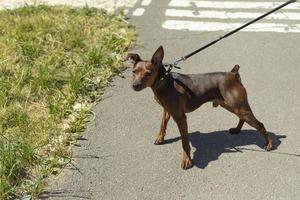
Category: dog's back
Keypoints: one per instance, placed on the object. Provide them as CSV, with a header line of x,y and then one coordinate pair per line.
x,y
201,83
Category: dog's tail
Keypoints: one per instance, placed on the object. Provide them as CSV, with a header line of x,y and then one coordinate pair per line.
x,y
235,70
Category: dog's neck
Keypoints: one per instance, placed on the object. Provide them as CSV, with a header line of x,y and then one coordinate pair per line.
x,y
160,79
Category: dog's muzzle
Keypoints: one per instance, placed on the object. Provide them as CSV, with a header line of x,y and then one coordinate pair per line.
x,y
137,86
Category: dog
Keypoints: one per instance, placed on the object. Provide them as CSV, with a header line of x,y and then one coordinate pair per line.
x,y
179,94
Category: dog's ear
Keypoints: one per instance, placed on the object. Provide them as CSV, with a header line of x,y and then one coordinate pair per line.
x,y
158,56
134,57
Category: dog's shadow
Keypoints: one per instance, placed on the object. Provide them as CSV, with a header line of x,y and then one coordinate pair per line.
x,y
209,146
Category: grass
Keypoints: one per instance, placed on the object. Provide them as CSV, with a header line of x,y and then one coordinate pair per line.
x,y
54,63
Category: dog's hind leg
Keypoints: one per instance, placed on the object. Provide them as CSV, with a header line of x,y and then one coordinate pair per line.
x,y
163,127
248,117
244,112
238,128
235,100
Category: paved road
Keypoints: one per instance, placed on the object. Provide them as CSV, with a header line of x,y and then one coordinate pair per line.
x,y
118,159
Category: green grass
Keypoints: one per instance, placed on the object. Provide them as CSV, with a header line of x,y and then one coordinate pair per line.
x,y
51,58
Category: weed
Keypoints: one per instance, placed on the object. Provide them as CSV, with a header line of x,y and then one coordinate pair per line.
x,y
51,59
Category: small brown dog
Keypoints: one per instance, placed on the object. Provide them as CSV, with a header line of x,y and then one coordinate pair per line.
x,y
179,94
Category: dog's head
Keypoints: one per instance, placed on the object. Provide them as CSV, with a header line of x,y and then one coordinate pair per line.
x,y
144,73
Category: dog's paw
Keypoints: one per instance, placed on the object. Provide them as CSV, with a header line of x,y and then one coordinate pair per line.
x,y
268,146
234,131
159,141
186,163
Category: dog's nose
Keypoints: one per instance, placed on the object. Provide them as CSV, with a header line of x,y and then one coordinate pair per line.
x,y
137,86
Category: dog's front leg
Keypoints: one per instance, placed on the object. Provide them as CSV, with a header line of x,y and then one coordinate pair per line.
x,y
183,129
163,126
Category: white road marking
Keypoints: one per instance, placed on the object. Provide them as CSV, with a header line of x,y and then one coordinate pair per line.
x,y
229,15
138,12
223,13
217,26
230,4
146,2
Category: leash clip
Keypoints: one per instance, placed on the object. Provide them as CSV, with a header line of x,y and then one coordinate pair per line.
x,y
174,64
179,60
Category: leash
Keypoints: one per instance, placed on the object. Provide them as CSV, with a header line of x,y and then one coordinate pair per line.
x,y
170,66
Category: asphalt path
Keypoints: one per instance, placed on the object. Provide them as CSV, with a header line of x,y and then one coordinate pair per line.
x,y
116,159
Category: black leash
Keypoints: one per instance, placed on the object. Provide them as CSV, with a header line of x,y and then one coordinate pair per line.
x,y
171,65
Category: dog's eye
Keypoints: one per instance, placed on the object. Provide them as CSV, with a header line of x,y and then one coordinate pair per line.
x,y
133,71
